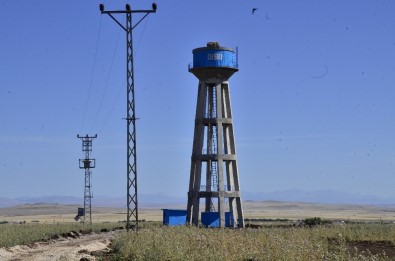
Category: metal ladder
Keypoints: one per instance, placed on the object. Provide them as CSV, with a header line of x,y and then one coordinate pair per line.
x,y
214,172
214,142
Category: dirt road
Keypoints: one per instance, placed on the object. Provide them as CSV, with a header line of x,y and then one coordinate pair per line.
x,y
63,248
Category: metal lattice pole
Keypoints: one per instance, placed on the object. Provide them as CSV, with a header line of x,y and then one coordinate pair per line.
x,y
132,202
131,136
87,163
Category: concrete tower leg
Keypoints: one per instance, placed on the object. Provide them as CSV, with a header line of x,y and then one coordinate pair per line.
x,y
220,152
196,166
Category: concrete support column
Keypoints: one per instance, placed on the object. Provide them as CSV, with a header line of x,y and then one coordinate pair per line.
x,y
214,146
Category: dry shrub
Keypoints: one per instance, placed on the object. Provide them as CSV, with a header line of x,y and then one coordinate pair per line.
x,y
190,243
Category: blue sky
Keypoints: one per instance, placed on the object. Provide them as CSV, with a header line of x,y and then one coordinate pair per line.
x,y
313,102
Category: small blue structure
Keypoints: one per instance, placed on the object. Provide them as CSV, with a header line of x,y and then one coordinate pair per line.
x,y
174,217
211,219
81,212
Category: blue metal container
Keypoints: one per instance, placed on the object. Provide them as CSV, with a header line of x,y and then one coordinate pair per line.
x,y
211,219
214,56
214,62
81,212
174,217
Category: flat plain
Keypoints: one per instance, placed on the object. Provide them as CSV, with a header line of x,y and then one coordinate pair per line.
x,y
56,213
371,238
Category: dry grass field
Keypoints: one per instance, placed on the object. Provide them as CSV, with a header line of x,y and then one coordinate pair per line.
x,y
297,211
54,213
372,239
252,210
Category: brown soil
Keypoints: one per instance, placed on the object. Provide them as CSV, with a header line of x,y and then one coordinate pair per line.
x,y
83,247
376,247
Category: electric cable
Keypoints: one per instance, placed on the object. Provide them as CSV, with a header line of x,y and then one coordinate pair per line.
x,y
107,80
113,106
119,91
92,75
141,36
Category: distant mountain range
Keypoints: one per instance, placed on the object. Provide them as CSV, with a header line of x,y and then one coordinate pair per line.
x,y
160,199
319,196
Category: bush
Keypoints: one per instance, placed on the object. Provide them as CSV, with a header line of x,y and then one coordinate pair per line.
x,y
315,221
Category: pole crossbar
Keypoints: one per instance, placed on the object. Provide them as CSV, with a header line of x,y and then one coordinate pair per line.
x,y
128,11
132,200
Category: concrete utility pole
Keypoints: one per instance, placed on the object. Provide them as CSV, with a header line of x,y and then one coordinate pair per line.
x,y
132,203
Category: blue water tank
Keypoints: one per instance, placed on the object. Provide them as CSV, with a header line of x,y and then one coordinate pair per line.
x,y
214,56
174,217
211,219
214,63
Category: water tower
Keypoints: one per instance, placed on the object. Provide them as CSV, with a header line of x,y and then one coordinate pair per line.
x,y
214,173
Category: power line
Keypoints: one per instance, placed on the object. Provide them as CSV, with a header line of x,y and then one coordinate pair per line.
x,y
112,108
107,80
92,75
141,36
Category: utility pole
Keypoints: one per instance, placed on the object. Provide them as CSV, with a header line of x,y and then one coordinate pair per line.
x,y
132,203
87,163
